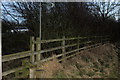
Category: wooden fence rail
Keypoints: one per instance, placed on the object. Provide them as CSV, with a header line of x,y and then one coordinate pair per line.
x,y
35,54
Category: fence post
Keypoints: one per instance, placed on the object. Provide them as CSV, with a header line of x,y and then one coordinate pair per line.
x,y
32,57
38,48
78,44
63,46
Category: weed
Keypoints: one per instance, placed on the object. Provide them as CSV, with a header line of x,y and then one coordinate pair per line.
x,y
78,66
90,74
60,75
113,75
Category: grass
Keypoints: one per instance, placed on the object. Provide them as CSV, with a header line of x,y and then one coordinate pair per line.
x,y
60,75
90,74
78,66
113,75
91,64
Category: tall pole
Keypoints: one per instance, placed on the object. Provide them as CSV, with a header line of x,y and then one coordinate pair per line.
x,y
40,23
0,47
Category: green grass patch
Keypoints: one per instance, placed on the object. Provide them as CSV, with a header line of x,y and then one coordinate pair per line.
x,y
60,75
90,74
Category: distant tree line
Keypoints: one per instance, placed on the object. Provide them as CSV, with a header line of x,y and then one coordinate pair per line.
x,y
60,19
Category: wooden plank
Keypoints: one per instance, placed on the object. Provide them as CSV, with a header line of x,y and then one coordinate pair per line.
x,y
51,49
70,45
13,70
72,51
48,59
56,48
55,40
66,57
80,49
85,42
48,41
89,47
60,47
71,38
77,50
16,56
28,53
82,37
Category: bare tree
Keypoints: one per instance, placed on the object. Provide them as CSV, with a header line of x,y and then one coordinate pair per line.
x,y
105,10
28,12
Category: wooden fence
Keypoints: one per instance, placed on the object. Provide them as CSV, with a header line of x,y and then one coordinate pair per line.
x,y
35,53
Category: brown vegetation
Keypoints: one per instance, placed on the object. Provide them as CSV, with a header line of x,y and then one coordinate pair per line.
x,y
100,62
